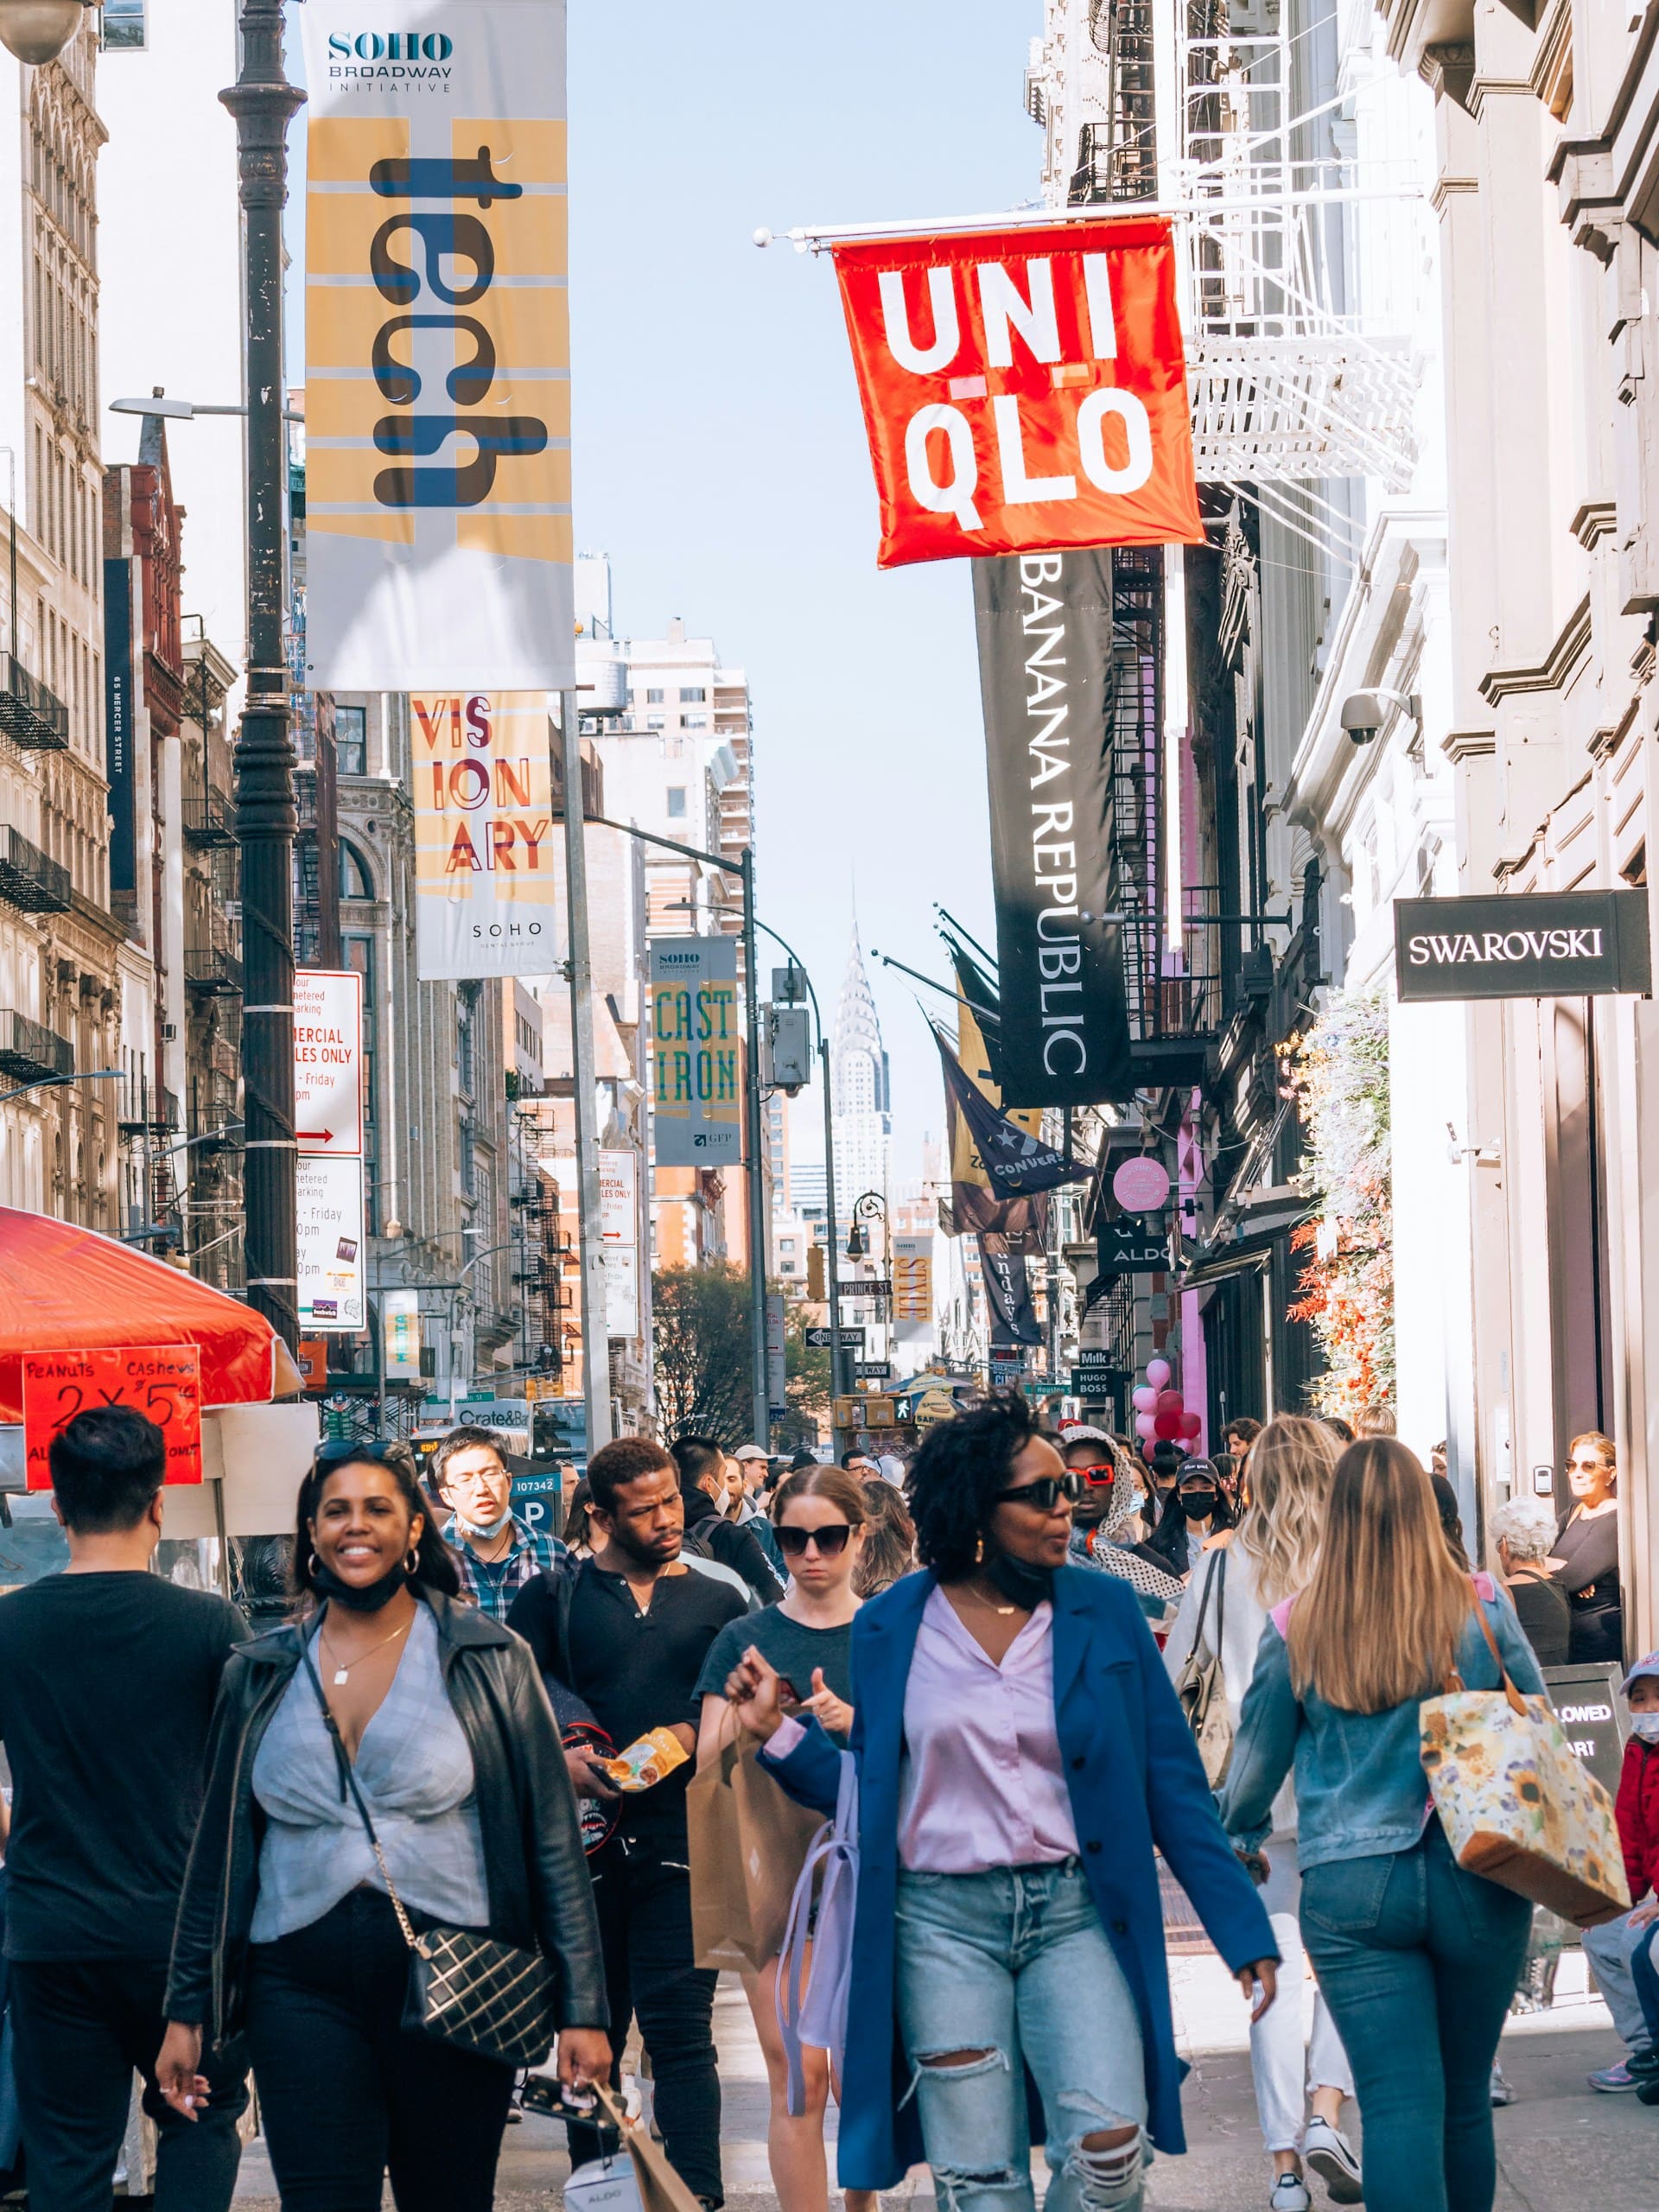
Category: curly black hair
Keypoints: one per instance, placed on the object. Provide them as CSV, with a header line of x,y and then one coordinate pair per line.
x,y
434,1563
953,1481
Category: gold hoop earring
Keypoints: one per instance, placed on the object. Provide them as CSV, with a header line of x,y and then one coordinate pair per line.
x,y
411,1562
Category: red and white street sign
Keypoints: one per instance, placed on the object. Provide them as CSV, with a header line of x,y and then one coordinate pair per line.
x,y
328,1061
1024,391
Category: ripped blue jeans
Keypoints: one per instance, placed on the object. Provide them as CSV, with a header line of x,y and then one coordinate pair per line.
x,y
998,1972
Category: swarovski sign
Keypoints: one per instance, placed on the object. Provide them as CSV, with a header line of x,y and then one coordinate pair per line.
x,y
1531,945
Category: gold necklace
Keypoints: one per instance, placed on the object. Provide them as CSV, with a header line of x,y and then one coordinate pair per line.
x,y
968,1589
342,1668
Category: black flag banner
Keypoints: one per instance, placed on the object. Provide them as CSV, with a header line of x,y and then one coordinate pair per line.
x,y
1007,1286
980,992
1045,623
1017,1165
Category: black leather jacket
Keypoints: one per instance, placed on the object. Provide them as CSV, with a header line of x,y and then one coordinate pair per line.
x,y
536,1874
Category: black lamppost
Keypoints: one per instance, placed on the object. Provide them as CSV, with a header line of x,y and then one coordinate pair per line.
x,y
262,101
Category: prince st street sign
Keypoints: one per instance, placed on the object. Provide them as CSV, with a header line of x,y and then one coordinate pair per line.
x,y
1535,945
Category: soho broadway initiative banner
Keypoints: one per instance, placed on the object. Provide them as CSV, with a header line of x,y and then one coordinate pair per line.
x,y
1023,389
1045,626
438,348
696,1110
488,898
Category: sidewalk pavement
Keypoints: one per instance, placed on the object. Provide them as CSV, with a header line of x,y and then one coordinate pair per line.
x,y
1561,2147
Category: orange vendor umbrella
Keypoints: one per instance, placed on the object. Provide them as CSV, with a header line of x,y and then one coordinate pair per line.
x,y
69,1289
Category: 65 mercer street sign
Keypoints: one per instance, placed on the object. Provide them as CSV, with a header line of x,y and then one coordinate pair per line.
x,y
1533,945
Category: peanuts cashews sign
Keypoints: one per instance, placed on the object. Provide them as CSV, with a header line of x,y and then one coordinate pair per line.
x,y
1023,390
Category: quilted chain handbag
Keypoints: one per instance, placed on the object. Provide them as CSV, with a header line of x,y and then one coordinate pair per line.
x,y
493,2000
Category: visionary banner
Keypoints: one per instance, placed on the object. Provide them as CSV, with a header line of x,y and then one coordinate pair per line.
x,y
698,1074
1023,389
1531,944
437,346
1044,644
488,901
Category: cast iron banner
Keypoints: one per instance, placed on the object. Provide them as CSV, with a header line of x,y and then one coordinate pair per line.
x,y
438,348
1534,945
1044,640
696,1064
1023,389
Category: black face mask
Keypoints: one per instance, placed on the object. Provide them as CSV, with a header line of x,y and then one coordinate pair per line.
x,y
1021,1583
359,1598
1197,1504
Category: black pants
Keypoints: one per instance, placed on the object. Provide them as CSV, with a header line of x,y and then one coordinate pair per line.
x,y
82,2027
347,2094
642,1886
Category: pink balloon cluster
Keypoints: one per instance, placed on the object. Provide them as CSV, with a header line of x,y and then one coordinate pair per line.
x,y
1159,1412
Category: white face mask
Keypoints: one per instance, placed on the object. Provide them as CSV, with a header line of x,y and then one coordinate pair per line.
x,y
1646,1726
487,1528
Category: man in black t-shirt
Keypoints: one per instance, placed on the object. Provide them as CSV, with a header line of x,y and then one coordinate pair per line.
x,y
108,1677
627,1632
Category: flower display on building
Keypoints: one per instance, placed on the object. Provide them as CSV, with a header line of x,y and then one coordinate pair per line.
x,y
1338,1071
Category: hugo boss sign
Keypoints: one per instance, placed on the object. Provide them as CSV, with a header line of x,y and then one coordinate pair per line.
x,y
1045,634
1535,945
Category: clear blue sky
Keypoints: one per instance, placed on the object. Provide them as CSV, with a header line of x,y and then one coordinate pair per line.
x,y
719,451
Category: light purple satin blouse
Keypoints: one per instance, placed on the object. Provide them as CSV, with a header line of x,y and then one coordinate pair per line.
x,y
981,1785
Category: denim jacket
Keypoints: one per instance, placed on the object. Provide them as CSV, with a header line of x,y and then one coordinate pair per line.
x,y
1360,1786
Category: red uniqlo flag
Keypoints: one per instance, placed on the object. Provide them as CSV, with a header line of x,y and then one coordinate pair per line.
x,y
1024,389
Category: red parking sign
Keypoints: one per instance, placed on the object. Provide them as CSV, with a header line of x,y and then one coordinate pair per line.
x,y
161,1381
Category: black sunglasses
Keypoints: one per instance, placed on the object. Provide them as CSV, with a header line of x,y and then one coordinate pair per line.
x,y
1045,1492
831,1539
342,1450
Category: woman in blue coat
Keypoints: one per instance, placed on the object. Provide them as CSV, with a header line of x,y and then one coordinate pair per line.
x,y
1019,1753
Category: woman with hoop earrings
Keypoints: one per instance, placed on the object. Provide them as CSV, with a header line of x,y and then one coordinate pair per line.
x,y
384,1767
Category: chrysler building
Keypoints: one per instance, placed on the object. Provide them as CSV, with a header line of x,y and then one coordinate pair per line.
x,y
862,1102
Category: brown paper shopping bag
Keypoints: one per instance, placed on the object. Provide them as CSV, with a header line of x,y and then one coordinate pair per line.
x,y
661,2189
748,1843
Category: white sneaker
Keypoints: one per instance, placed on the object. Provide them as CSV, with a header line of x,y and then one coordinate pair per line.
x,y
1329,2153
1290,2194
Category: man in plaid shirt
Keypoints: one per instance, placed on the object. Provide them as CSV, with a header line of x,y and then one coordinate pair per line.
x,y
497,1552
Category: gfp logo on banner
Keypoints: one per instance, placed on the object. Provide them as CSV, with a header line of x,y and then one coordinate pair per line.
x,y
698,1079
1023,390
487,900
438,348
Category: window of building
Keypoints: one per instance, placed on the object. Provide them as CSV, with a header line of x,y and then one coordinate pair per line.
x,y
673,746
692,695
654,698
350,744
695,721
124,23
677,803
655,722
466,1021
355,881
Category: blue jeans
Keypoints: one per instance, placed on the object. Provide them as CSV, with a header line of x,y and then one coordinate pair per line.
x,y
1418,1962
1014,1967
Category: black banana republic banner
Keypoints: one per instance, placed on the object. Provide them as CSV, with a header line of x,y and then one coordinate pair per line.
x,y
1045,622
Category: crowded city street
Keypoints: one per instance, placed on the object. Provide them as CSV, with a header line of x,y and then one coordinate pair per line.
x,y
829,1134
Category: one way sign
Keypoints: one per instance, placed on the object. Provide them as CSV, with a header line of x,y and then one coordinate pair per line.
x,y
822,1340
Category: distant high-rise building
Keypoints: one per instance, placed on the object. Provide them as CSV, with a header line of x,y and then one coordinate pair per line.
x,y
858,1089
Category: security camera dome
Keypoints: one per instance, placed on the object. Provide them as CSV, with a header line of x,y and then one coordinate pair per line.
x,y
1362,717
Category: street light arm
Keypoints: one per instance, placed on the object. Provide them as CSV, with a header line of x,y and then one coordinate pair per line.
x,y
52,1081
671,845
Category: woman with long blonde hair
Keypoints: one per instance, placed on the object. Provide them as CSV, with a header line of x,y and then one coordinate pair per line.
x,y
1416,1959
1270,1556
